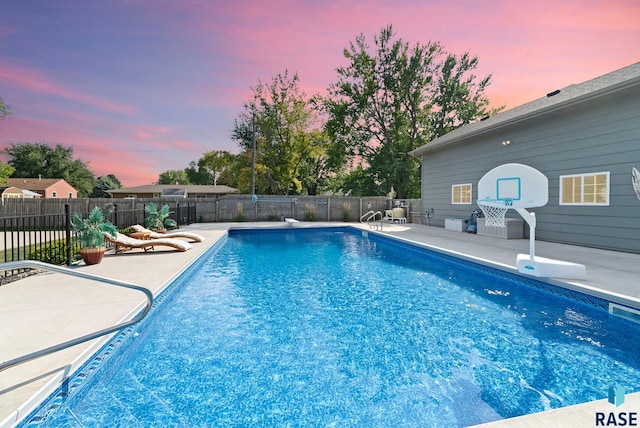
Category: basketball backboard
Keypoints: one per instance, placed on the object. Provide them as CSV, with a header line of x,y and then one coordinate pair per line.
x,y
515,184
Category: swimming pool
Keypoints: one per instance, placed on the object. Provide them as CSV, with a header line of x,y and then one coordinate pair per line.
x,y
323,327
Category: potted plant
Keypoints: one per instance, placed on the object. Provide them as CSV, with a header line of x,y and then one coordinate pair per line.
x,y
158,219
90,233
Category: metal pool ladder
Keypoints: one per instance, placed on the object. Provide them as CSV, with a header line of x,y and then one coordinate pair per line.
x,y
32,264
370,218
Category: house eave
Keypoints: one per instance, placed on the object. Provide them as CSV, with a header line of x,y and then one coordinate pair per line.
x,y
547,105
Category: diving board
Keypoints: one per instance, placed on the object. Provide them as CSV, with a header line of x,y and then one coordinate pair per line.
x,y
291,221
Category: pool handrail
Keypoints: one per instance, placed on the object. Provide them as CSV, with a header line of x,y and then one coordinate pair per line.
x,y
365,216
370,216
33,264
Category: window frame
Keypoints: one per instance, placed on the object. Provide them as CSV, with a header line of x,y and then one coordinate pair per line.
x,y
461,187
582,177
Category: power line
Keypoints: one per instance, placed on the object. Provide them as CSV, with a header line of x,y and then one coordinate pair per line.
x,y
136,151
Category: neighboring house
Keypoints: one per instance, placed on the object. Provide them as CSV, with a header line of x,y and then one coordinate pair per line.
x,y
176,191
45,187
10,192
585,138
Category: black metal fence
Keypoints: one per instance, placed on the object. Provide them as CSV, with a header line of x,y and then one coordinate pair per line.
x,y
48,237
42,237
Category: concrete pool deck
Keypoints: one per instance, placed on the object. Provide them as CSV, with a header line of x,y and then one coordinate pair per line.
x,y
46,309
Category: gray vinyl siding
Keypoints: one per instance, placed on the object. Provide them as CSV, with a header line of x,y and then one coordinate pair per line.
x,y
598,135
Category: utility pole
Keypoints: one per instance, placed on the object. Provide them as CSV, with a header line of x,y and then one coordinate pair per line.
x,y
253,154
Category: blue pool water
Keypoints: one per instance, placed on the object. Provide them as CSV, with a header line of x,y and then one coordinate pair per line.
x,y
329,328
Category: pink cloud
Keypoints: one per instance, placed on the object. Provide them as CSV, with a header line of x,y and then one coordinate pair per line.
x,y
149,132
530,49
134,160
182,144
35,81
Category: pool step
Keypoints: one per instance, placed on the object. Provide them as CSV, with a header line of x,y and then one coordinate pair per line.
x,y
84,415
143,404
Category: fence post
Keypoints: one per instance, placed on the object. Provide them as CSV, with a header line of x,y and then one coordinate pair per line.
x,y
115,215
4,229
67,227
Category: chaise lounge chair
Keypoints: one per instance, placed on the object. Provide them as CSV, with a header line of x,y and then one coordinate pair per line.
x,y
123,243
194,237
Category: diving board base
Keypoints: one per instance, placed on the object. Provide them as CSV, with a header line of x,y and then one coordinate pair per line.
x,y
291,221
549,268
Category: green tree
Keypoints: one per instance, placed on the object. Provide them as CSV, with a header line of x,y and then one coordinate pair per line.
x,y
103,185
214,167
318,165
290,147
239,176
357,181
5,110
390,101
34,159
173,176
5,172
195,175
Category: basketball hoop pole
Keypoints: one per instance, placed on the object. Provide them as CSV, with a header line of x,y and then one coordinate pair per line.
x,y
530,218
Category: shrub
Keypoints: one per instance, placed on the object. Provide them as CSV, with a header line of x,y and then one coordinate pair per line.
x,y
158,219
310,214
54,252
239,212
346,211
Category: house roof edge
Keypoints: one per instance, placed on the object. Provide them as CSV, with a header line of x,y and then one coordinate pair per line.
x,y
570,95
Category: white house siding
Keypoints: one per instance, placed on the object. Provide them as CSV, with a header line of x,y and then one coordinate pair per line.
x,y
597,135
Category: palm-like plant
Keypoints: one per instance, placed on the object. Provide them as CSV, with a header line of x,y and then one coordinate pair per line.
x,y
90,231
158,219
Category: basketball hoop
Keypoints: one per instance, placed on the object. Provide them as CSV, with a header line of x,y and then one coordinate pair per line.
x,y
494,211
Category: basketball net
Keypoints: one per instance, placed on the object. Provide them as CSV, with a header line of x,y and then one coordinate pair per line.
x,y
493,211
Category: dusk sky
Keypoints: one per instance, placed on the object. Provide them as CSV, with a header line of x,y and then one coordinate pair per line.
x,y
138,87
